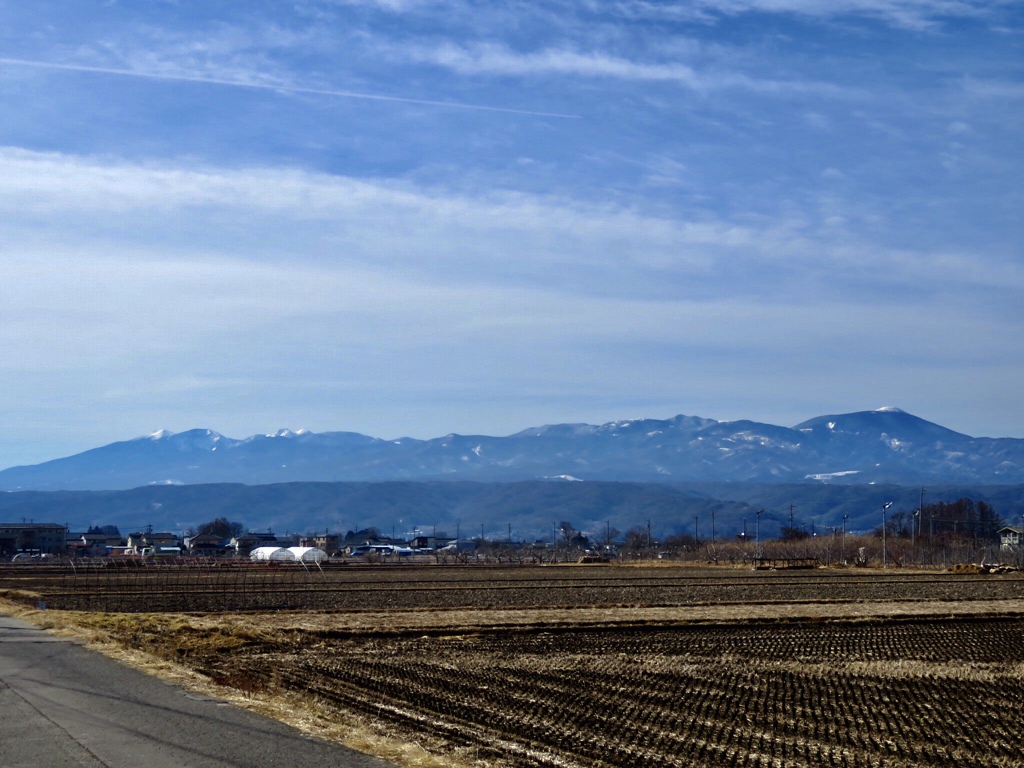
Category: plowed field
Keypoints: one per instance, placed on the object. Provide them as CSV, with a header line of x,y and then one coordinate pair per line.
x,y
599,667
898,694
255,587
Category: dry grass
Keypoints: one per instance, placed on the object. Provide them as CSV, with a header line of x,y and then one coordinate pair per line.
x,y
112,635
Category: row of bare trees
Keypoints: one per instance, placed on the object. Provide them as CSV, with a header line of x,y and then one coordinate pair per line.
x,y
940,534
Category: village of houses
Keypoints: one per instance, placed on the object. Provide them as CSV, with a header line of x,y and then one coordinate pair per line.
x,y
41,541
36,542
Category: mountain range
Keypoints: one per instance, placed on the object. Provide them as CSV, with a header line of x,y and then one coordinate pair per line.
x,y
886,446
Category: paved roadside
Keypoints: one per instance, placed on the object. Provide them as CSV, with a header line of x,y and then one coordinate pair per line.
x,y
62,705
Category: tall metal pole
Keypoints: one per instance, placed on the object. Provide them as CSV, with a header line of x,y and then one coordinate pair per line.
x,y
757,534
920,511
885,560
844,538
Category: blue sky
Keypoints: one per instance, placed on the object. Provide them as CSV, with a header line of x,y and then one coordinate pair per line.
x,y
404,217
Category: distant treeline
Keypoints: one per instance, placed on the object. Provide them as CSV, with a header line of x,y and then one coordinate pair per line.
x,y
522,510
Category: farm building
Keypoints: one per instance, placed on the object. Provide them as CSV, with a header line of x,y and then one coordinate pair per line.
x,y
1009,537
148,540
287,555
271,555
205,544
161,551
431,542
308,554
328,542
43,538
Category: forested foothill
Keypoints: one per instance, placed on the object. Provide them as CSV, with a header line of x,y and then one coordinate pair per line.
x,y
532,509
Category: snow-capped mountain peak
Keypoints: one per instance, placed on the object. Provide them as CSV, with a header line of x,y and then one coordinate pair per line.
x,y
885,445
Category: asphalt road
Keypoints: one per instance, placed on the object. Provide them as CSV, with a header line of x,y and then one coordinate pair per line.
x,y
63,705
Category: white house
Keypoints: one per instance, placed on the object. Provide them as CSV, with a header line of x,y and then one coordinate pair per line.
x,y
1009,537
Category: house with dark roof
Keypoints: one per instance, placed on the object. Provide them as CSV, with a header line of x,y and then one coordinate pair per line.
x,y
149,542
205,545
1010,537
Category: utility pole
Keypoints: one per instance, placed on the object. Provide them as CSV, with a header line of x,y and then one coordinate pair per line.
x,y
885,558
920,510
844,538
713,512
757,534
696,538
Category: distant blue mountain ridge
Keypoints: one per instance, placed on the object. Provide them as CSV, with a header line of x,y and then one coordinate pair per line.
x,y
886,445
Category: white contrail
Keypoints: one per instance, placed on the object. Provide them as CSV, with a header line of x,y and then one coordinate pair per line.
x,y
282,88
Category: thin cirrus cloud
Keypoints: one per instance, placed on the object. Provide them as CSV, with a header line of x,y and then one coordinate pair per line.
x,y
918,15
913,14
499,59
258,83
315,217
431,235
495,59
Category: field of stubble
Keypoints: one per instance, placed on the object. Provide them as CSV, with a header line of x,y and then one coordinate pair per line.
x,y
614,666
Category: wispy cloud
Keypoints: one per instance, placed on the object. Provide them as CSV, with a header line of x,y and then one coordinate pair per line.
x,y
910,14
994,89
914,14
498,59
259,83
917,15
434,234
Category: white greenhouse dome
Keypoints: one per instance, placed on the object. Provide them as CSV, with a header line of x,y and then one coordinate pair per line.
x,y
271,554
308,554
